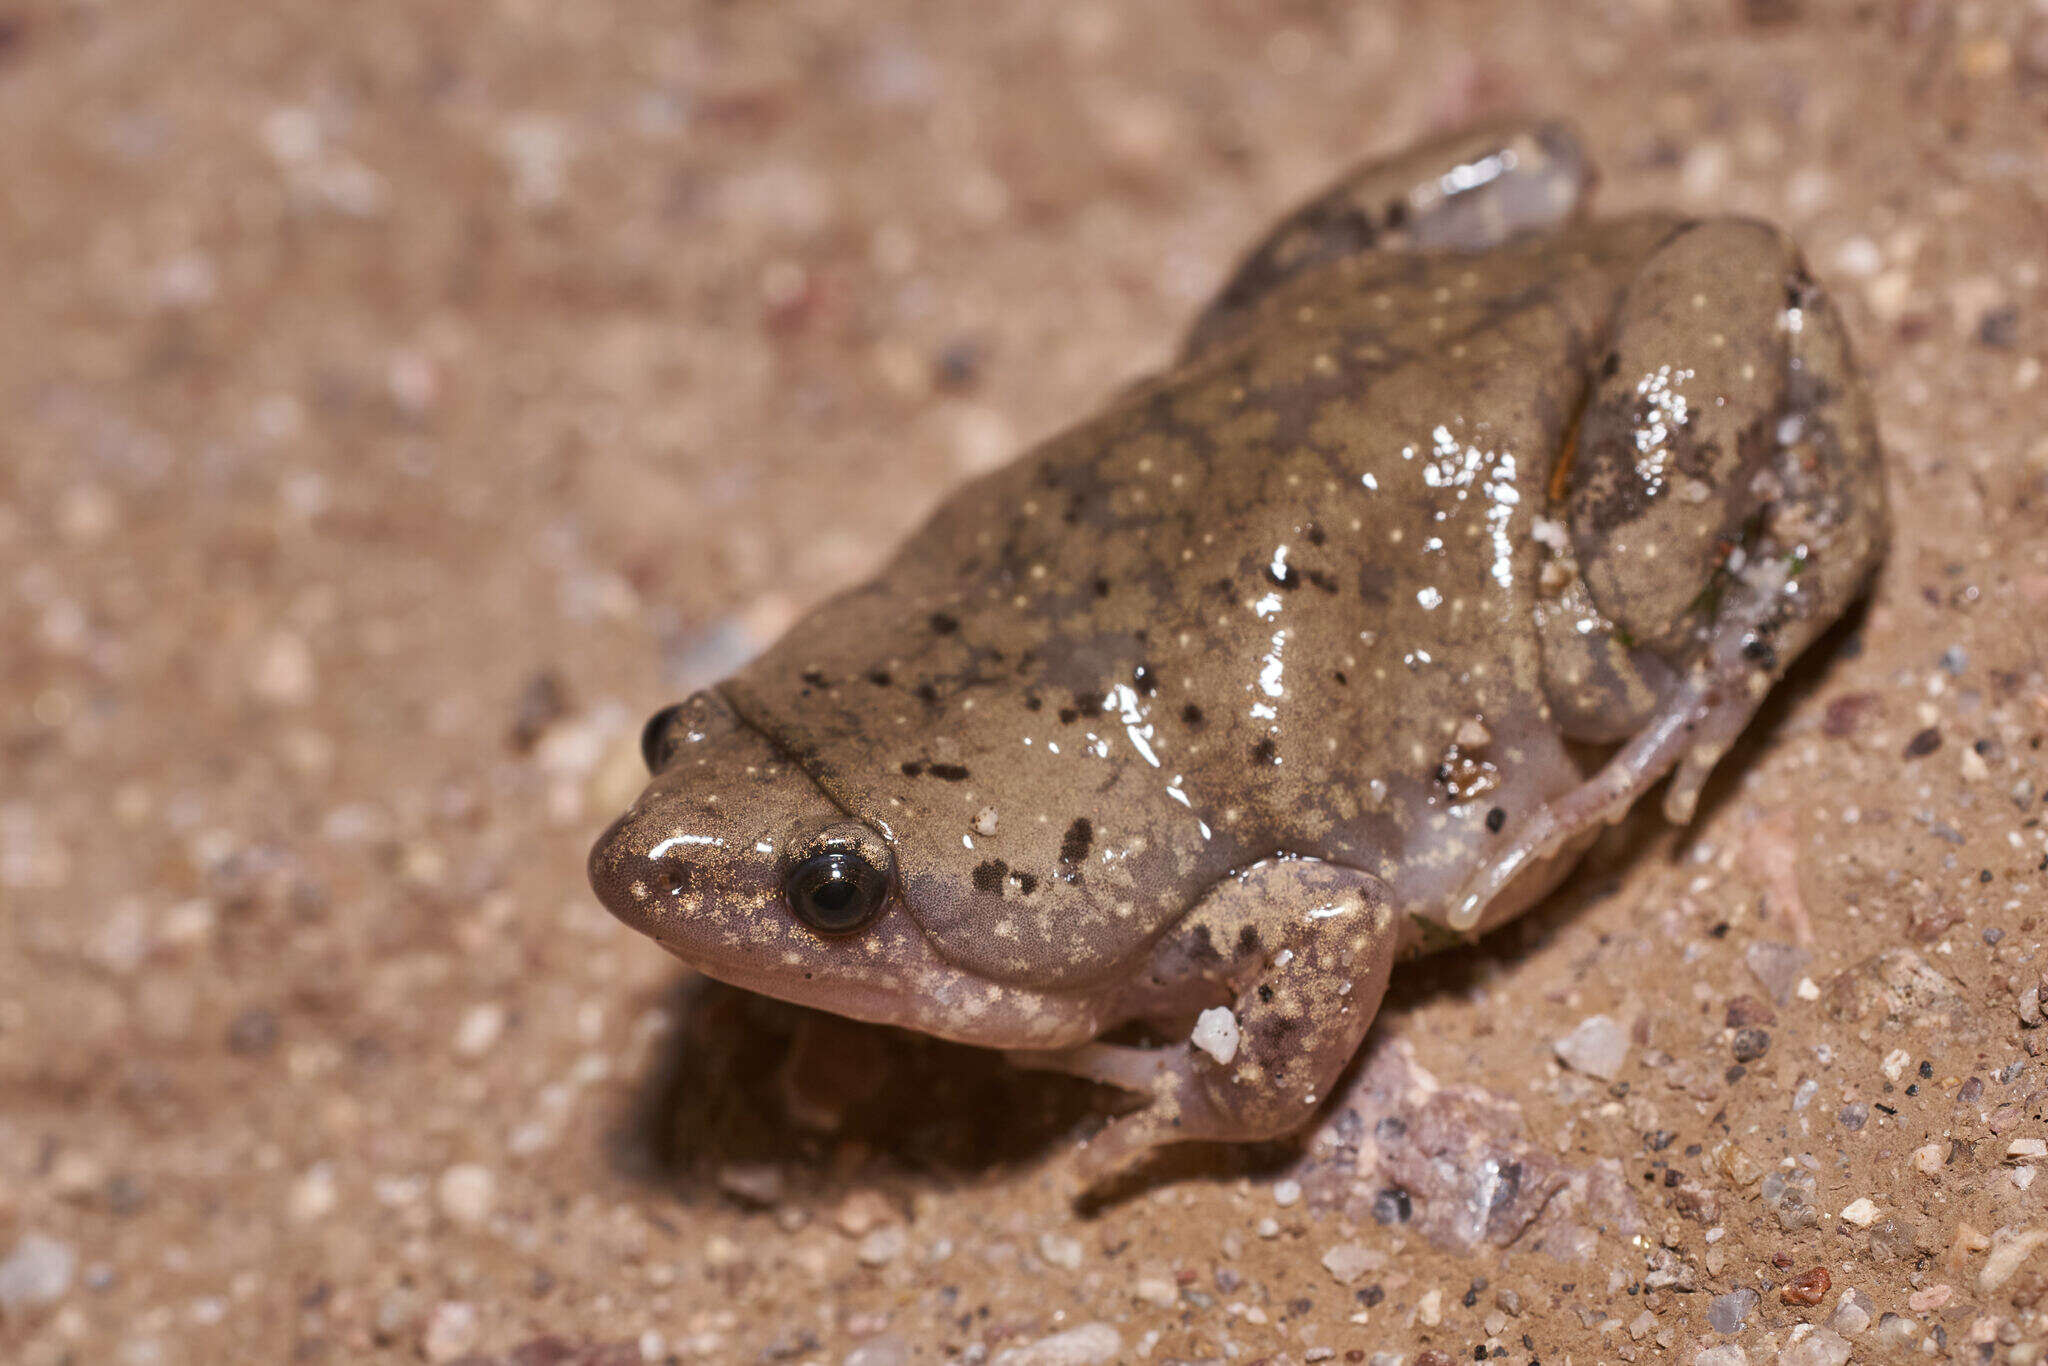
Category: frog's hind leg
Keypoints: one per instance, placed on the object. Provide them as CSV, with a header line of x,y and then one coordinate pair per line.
x,y
1465,192
1689,732
1294,955
1816,533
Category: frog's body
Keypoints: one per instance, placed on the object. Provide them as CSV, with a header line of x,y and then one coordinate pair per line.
x,y
1286,662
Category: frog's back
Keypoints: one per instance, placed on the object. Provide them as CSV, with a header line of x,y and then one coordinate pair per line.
x,y
1242,611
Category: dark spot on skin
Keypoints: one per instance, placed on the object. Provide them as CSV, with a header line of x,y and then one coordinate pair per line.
x,y
1032,701
1088,701
1027,883
1101,587
879,677
1068,716
1322,581
1375,583
948,773
1224,587
942,624
1079,839
1147,683
1265,994
957,365
1272,1030
1343,679
1314,534
1265,752
912,768
1202,947
2000,327
1758,651
1395,214
1495,819
1610,366
814,678
989,875
928,694
1191,714
1248,939
1923,743
1287,577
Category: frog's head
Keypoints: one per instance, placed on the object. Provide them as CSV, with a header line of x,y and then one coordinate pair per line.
x,y
739,864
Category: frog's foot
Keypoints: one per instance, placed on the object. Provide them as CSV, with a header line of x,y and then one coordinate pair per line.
x,y
1685,737
1464,192
1311,946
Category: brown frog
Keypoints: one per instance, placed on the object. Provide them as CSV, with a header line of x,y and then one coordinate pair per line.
x,y
1458,524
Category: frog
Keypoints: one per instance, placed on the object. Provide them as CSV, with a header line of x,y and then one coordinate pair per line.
x,y
1460,521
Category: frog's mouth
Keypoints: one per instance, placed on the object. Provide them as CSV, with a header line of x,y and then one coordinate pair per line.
x,y
902,983
698,865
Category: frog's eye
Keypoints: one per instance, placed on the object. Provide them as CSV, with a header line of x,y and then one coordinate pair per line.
x,y
837,891
657,737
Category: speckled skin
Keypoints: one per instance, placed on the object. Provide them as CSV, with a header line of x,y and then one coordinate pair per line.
x,y
1288,662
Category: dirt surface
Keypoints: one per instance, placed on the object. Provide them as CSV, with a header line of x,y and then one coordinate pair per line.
x,y
403,400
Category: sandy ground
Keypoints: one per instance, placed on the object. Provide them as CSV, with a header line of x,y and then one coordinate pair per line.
x,y
403,400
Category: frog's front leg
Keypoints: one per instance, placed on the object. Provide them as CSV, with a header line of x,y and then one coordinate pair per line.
x,y
1291,956
1467,191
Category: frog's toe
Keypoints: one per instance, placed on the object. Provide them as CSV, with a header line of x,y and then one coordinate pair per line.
x,y
1148,1071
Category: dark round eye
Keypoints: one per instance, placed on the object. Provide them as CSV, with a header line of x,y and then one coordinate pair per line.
x,y
657,745
836,891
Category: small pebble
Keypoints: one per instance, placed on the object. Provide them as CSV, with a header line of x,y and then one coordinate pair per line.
x,y
282,672
1923,743
883,1246
1060,1250
985,821
1216,1034
479,1031
1808,1287
1727,1312
451,1331
1852,1313
1349,1261
1750,1044
2009,1251
1860,1212
37,1271
1088,1345
1811,1346
1286,1193
1727,1354
1157,1291
313,1195
861,1211
882,1351
1597,1046
752,1183
1472,734
466,1192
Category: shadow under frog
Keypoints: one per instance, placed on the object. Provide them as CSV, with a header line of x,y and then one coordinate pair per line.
x,y
1461,522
